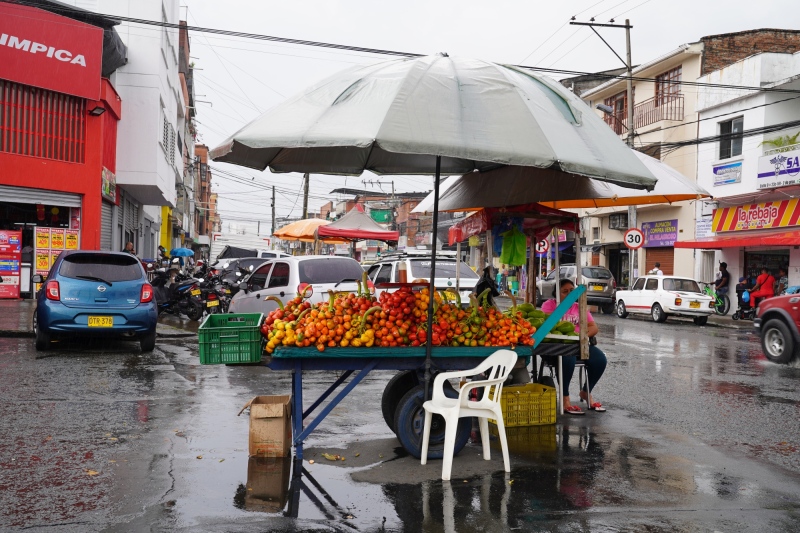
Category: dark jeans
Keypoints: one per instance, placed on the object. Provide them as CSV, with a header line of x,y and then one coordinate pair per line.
x,y
595,366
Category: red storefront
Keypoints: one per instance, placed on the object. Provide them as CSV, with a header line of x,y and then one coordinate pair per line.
x,y
58,133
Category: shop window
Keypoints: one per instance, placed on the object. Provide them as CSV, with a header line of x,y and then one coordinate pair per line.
x,y
618,221
730,144
42,123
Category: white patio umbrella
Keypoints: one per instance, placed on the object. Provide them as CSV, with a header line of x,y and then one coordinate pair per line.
x,y
434,115
507,186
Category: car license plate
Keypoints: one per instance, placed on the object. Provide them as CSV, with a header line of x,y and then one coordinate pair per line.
x,y
101,321
212,303
597,287
227,291
694,305
196,292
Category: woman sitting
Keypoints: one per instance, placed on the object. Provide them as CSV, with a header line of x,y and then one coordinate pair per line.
x,y
596,364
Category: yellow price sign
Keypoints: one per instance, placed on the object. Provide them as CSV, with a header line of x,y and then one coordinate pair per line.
x,y
57,239
42,238
71,240
43,260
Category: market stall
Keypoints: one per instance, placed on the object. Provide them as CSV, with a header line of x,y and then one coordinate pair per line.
x,y
397,117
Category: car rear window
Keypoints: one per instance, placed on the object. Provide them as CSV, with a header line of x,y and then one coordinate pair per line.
x,y
595,273
421,268
106,267
682,285
329,270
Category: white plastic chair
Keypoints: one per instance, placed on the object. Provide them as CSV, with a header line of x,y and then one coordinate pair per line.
x,y
497,367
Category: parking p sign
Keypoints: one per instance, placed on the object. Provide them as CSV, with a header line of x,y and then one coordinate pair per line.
x,y
634,238
542,247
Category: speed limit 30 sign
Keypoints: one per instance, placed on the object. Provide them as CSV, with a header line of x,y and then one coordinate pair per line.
x,y
634,238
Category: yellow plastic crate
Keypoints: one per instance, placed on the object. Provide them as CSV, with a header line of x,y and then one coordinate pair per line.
x,y
528,405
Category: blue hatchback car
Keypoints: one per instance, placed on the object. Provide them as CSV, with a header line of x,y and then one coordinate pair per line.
x,y
95,293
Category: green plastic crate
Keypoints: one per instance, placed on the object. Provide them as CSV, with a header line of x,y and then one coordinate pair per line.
x,y
230,338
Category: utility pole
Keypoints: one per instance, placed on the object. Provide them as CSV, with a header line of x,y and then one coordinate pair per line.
x,y
633,254
305,195
273,210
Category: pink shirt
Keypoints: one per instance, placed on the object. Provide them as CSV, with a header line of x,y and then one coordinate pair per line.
x,y
571,315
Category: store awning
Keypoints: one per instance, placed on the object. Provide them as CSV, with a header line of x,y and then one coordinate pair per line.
x,y
741,239
561,247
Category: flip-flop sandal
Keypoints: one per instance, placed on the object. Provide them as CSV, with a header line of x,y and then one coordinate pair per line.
x,y
574,410
597,407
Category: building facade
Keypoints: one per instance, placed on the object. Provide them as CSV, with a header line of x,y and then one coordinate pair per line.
x,y
59,115
751,166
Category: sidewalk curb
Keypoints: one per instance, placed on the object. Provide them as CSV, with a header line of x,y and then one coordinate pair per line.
x,y
15,334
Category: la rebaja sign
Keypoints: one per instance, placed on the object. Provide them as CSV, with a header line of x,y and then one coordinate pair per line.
x,y
784,213
48,51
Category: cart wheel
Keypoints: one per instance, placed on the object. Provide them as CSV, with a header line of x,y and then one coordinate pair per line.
x,y
397,387
410,420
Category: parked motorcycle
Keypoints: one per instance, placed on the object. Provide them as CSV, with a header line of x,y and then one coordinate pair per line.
x,y
175,294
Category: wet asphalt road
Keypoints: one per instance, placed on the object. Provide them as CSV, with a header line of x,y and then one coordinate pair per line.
x,y
702,434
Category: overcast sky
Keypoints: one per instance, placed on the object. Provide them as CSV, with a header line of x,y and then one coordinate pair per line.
x,y
243,77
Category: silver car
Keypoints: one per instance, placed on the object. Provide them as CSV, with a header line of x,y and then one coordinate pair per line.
x,y
286,276
600,284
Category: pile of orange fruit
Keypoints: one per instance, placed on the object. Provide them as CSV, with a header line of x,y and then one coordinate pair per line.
x,y
395,319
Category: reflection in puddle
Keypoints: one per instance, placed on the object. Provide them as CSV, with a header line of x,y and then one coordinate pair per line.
x,y
267,487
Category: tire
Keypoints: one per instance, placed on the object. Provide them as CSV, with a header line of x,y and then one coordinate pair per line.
x,y
410,420
777,341
397,387
723,309
148,341
658,314
608,309
621,312
701,320
42,337
195,310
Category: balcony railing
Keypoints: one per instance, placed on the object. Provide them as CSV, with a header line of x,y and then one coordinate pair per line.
x,y
668,107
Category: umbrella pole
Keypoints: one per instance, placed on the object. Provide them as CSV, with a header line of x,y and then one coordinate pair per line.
x,y
432,284
458,266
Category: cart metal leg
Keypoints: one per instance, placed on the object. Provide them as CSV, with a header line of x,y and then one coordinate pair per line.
x,y
297,408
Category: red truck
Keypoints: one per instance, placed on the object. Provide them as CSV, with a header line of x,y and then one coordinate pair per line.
x,y
778,321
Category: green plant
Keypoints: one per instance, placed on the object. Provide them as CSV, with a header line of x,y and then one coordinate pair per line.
x,y
785,140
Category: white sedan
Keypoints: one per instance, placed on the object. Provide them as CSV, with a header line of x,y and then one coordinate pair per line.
x,y
663,296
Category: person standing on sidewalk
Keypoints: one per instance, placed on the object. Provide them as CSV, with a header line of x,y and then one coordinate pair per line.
x,y
723,283
129,248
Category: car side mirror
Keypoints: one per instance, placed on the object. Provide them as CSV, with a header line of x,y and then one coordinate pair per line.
x,y
243,287
37,278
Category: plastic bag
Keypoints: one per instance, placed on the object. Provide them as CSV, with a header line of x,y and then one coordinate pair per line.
x,y
746,297
515,247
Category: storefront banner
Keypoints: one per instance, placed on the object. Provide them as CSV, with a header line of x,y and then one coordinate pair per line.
x,y
42,238
109,185
10,262
757,216
660,234
71,240
779,168
56,239
703,228
50,51
727,174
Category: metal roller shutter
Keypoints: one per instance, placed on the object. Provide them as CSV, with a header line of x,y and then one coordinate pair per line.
x,y
665,256
24,195
106,225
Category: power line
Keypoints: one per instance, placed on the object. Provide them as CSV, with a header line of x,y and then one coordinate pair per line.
x,y
378,51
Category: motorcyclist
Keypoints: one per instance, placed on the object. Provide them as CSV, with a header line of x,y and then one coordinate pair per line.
x,y
487,282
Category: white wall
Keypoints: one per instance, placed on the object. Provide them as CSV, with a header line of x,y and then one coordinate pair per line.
x,y
149,78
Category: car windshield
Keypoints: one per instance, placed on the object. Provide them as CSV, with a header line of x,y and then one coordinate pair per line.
x,y
682,285
595,273
329,270
106,267
421,268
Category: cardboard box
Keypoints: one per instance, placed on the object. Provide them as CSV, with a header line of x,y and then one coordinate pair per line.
x,y
267,484
270,426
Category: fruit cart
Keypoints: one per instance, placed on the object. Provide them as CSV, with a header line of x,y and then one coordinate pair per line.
x,y
402,399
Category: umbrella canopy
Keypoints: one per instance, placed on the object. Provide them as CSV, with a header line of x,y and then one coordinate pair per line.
x,y
512,185
538,221
391,117
304,231
356,225
181,252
